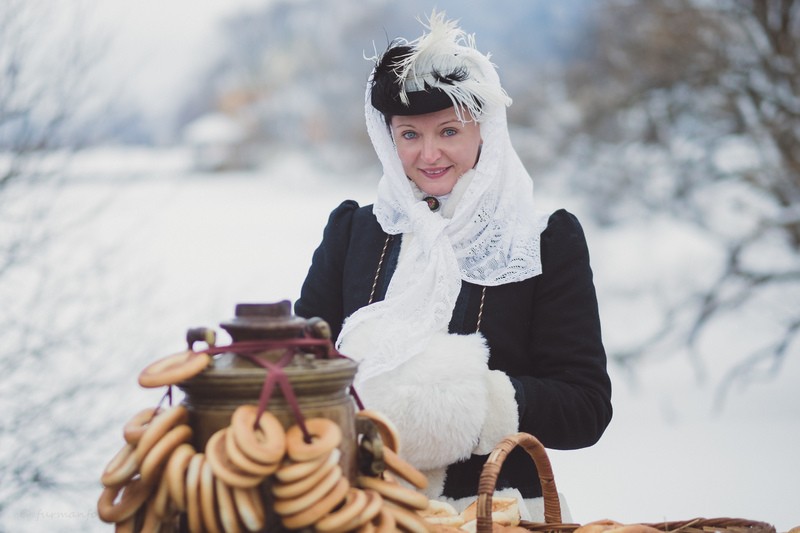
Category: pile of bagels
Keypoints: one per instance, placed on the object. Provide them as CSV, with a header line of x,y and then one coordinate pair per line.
x,y
506,519
158,474
444,518
149,471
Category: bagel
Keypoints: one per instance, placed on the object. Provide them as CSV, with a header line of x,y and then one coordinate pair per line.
x,y
367,527
388,432
250,508
208,499
385,522
609,526
220,464
291,471
395,492
134,428
404,469
264,442
325,436
635,528
472,527
598,526
406,519
156,459
370,512
158,427
441,513
303,485
442,528
175,474
126,526
152,521
194,520
228,516
299,503
354,503
505,511
319,509
160,500
174,369
241,461
437,508
121,469
134,494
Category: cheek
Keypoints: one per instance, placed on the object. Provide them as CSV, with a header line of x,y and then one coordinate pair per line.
x,y
469,156
407,156
469,150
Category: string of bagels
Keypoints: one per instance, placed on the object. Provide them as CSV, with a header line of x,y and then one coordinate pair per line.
x,y
158,474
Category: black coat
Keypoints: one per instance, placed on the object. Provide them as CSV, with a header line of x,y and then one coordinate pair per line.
x,y
543,332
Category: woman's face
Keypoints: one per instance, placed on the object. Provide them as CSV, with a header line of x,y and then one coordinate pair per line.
x,y
436,148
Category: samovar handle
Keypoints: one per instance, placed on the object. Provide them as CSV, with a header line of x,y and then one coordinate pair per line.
x,y
207,335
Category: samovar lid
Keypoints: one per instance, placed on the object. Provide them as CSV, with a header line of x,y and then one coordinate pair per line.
x,y
254,321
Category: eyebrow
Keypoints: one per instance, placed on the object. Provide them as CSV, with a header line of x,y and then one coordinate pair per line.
x,y
403,125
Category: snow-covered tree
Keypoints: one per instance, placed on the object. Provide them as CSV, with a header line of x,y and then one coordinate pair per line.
x,y
690,110
47,283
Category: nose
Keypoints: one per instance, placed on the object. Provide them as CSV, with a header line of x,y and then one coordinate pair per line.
x,y
430,150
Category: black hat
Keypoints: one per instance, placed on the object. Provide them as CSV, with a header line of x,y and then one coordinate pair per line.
x,y
387,85
440,69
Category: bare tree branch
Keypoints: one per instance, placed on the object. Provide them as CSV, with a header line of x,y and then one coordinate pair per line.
x,y
661,89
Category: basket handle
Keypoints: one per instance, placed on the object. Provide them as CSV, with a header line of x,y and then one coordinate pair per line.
x,y
491,469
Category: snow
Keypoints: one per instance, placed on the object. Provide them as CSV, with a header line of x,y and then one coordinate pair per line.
x,y
665,457
180,249
214,128
734,154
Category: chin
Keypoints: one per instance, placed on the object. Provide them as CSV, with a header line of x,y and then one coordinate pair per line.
x,y
438,189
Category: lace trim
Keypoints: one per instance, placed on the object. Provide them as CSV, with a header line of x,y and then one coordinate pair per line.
x,y
378,273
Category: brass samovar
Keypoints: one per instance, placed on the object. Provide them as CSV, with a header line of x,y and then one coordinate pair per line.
x,y
321,384
319,378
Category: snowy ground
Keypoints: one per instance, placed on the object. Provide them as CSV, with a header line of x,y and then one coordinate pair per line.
x,y
185,248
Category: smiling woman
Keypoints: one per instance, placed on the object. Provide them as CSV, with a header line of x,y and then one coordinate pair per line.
x,y
436,149
472,316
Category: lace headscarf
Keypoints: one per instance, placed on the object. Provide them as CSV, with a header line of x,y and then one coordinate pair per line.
x,y
493,236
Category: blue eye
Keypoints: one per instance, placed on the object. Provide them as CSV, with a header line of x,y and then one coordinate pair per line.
x,y
409,135
449,132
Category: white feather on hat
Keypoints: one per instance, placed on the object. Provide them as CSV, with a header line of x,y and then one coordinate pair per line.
x,y
445,58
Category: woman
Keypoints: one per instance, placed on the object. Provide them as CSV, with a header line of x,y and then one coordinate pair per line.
x,y
471,316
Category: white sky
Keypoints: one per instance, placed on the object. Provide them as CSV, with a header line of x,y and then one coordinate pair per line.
x,y
157,47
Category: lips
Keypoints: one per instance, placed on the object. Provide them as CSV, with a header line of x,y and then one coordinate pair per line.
x,y
434,173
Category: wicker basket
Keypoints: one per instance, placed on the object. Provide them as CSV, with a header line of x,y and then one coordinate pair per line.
x,y
552,507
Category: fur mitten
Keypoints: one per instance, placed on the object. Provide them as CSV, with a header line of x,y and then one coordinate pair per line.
x,y
438,399
503,419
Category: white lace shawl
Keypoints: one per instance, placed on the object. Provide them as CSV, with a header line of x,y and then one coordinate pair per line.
x,y
493,238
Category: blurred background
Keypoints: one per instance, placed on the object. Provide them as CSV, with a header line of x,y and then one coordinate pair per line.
x,y
162,161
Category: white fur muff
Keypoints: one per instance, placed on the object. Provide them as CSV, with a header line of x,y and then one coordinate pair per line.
x,y
437,399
